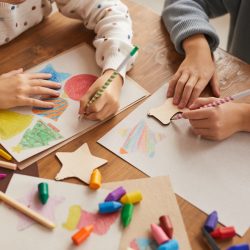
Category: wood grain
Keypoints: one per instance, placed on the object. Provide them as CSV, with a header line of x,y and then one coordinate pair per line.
x,y
156,62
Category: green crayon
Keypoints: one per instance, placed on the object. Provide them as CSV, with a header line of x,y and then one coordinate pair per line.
x,y
127,213
43,191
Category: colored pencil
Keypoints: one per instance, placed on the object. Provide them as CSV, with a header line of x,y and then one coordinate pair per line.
x,y
5,155
101,90
25,210
218,102
8,165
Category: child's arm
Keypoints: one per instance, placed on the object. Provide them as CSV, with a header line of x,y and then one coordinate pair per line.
x,y
112,24
188,24
218,123
17,89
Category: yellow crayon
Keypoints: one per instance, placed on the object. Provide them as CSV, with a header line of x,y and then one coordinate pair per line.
x,y
5,155
95,179
132,197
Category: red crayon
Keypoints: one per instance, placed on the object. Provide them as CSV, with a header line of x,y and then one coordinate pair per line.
x,y
223,233
166,225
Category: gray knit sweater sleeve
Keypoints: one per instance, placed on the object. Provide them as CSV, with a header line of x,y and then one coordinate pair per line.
x,y
184,18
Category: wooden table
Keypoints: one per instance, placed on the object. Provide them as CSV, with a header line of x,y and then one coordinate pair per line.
x,y
157,61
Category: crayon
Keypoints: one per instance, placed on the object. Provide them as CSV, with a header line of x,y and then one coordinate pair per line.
x,y
209,239
8,165
170,245
5,155
116,194
27,211
95,179
82,234
240,247
223,233
127,214
166,225
133,197
158,234
43,191
211,221
2,176
109,207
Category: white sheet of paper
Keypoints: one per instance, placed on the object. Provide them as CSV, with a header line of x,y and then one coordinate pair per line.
x,y
210,175
79,60
38,237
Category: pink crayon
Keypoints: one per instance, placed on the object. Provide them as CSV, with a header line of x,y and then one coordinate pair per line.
x,y
166,225
116,194
2,176
158,234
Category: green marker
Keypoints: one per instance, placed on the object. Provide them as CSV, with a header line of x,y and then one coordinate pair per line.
x,y
127,213
43,191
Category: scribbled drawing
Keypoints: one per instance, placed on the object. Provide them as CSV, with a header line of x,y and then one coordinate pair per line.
x,y
40,135
78,85
54,113
143,244
141,138
12,123
32,201
56,76
78,218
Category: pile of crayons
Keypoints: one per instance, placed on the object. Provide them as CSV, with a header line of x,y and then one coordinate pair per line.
x,y
211,233
163,234
116,200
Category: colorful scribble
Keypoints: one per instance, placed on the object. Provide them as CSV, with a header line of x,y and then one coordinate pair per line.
x,y
56,76
54,113
32,201
78,85
40,135
12,123
141,138
78,218
143,244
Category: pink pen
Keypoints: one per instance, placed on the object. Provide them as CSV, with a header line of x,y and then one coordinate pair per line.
x,y
218,102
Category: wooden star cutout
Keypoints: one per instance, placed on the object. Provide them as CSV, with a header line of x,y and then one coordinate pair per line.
x,y
165,112
79,164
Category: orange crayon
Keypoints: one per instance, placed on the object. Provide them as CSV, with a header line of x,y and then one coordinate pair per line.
x,y
82,234
95,179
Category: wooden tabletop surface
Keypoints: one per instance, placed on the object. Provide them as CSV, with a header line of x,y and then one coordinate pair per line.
x,y
156,62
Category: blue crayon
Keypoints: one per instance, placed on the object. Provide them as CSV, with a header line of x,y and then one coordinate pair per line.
x,y
170,245
211,221
240,247
109,207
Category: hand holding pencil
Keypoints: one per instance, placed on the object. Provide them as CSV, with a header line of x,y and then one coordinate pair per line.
x,y
220,122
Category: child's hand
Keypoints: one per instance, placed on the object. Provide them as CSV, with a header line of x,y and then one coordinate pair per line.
x,y
18,89
107,104
215,123
194,73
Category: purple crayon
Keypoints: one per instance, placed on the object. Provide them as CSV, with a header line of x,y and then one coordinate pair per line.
x,y
116,194
2,176
211,221
240,247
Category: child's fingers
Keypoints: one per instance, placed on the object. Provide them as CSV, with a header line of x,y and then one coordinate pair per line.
x,y
199,102
45,83
202,132
199,123
197,114
101,115
179,87
38,75
172,84
215,84
12,73
37,90
188,91
36,103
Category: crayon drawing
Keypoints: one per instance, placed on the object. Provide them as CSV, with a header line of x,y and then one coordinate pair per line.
x,y
78,218
59,209
32,201
141,138
54,113
76,70
40,135
12,123
78,85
